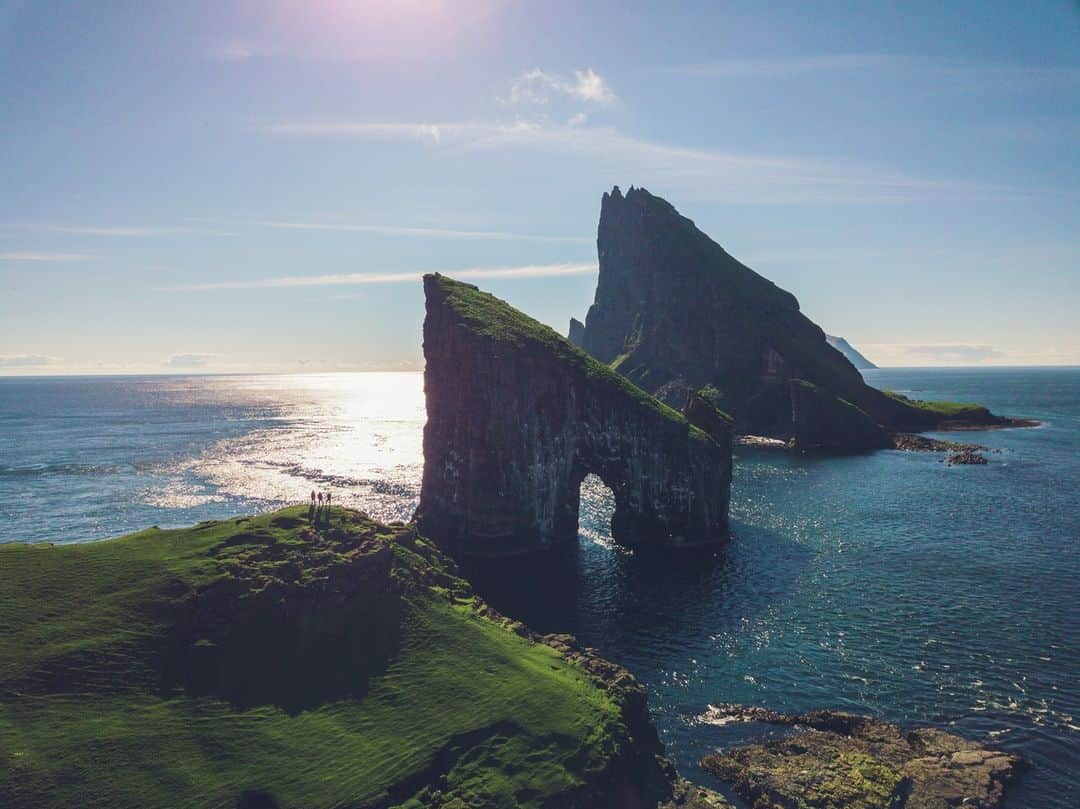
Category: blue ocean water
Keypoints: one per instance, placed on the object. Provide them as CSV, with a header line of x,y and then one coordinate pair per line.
x,y
884,583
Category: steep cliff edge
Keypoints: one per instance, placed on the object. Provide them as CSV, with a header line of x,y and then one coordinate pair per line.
x,y
283,661
674,312
518,416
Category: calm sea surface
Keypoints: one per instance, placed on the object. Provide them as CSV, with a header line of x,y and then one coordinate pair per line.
x,y
884,583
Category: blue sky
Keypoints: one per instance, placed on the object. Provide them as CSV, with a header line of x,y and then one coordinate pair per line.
x,y
257,186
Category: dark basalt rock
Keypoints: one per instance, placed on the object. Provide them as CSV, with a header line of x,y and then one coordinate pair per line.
x,y
840,760
822,421
576,335
966,458
911,442
517,417
674,312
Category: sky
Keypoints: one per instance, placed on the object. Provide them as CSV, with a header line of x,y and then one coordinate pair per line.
x,y
258,185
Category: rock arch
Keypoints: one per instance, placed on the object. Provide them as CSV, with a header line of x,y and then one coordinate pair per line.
x,y
517,417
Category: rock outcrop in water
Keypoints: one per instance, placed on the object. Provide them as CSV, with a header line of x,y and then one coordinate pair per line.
x,y
674,312
840,760
517,417
837,759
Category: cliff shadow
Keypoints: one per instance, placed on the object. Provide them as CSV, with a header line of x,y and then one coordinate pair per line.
x,y
607,596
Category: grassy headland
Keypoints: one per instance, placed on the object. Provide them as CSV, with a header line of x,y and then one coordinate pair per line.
x,y
277,662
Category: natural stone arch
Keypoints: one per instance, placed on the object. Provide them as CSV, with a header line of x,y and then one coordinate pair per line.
x,y
517,417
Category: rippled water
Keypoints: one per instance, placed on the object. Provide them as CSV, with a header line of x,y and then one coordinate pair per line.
x,y
884,583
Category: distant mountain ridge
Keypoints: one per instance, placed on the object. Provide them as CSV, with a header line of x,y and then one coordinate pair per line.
x,y
855,357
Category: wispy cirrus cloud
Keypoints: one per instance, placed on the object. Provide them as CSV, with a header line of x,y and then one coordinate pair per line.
x,y
721,175
97,231
763,68
934,353
355,279
422,232
26,360
235,50
190,360
941,75
107,231
42,256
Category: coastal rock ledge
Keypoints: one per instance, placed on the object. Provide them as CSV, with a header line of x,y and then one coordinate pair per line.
x,y
518,416
836,759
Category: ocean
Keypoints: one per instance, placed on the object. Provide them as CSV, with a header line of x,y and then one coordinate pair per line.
x,y
885,583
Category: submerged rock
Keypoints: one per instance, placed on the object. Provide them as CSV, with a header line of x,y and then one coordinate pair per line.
x,y
966,457
840,760
912,442
674,312
517,417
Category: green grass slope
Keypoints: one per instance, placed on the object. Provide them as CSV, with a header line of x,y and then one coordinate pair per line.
x,y
267,661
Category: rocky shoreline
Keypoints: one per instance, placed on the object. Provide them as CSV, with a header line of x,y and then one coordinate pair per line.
x,y
834,759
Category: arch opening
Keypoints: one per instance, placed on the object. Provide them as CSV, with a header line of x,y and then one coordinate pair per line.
x,y
596,509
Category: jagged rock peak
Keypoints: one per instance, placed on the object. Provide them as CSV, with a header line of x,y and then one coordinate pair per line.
x,y
576,335
674,312
518,416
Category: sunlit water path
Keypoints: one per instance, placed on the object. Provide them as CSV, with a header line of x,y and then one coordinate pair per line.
x,y
884,583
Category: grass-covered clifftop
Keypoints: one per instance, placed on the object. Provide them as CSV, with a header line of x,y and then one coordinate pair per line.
x,y
497,320
267,661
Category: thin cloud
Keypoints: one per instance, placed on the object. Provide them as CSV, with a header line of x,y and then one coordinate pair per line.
x,y
189,360
109,231
751,68
722,175
433,133
236,50
354,279
942,75
424,232
100,231
940,352
45,257
539,87
25,360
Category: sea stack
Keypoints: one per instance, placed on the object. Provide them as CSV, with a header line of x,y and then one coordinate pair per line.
x,y
518,416
675,313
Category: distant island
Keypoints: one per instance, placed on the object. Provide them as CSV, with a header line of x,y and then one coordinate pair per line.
x,y
854,356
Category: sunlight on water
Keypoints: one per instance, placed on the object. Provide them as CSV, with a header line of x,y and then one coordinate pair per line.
x,y
358,435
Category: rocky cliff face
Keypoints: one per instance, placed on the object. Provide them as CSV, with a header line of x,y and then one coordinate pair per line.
x,y
517,417
674,312
577,332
